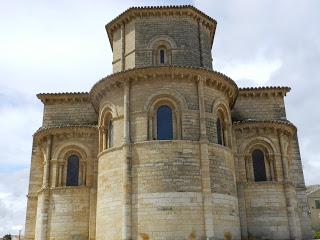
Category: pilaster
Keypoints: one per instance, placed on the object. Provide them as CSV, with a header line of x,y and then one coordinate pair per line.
x,y
43,195
127,185
204,165
123,47
289,192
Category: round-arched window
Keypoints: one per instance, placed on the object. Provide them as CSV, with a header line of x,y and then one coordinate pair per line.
x,y
259,168
161,56
73,171
164,123
110,134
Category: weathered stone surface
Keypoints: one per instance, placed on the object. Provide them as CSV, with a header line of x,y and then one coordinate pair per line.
x,y
198,185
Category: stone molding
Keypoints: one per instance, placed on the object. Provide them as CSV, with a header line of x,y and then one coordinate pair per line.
x,y
65,97
212,79
264,91
65,131
285,127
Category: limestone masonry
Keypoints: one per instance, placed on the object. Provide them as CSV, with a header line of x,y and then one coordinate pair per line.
x,y
166,148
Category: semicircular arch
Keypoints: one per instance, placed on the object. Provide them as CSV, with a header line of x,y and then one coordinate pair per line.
x,y
166,94
76,147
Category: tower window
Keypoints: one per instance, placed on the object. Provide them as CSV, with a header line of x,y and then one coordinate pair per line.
x,y
161,56
73,171
110,134
317,204
259,168
219,132
164,123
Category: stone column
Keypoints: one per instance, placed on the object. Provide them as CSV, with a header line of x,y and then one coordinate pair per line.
x,y
272,174
249,168
60,175
289,192
204,165
104,138
54,173
101,138
47,158
43,196
126,212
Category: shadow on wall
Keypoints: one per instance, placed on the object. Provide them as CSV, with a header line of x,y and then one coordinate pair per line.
x,y
144,236
192,236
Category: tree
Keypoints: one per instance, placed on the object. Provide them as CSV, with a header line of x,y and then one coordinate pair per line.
x,y
7,237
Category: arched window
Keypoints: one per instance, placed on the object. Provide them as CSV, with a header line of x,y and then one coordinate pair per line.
x,y
161,56
219,131
164,123
110,134
73,171
162,53
259,168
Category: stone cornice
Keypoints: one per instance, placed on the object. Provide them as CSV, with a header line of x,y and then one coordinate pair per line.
x,y
264,91
65,131
65,97
277,125
182,10
212,79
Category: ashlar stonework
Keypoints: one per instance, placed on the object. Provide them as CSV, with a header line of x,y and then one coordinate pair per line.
x,y
166,147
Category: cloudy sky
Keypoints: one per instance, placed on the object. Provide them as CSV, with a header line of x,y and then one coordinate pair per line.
x,y
58,46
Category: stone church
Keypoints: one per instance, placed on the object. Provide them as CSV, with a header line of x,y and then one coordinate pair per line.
x,y
166,148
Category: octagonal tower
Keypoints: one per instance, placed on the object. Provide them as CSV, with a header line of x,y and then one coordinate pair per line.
x,y
165,171
182,35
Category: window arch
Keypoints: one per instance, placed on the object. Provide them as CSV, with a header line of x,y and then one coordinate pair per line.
x,y
107,124
164,123
107,132
162,52
259,167
172,99
73,166
260,160
70,165
222,128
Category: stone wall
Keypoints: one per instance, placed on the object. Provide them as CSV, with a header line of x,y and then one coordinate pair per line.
x,y
259,107
68,114
134,40
69,210
166,190
266,210
314,212
110,195
224,194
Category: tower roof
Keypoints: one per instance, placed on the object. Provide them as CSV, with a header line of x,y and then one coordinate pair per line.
x,y
178,10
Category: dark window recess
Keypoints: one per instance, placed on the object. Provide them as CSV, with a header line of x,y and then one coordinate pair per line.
x,y
219,131
317,204
110,134
162,56
164,123
73,171
259,167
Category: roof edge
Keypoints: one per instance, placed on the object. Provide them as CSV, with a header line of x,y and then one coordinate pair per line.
x,y
261,91
64,97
